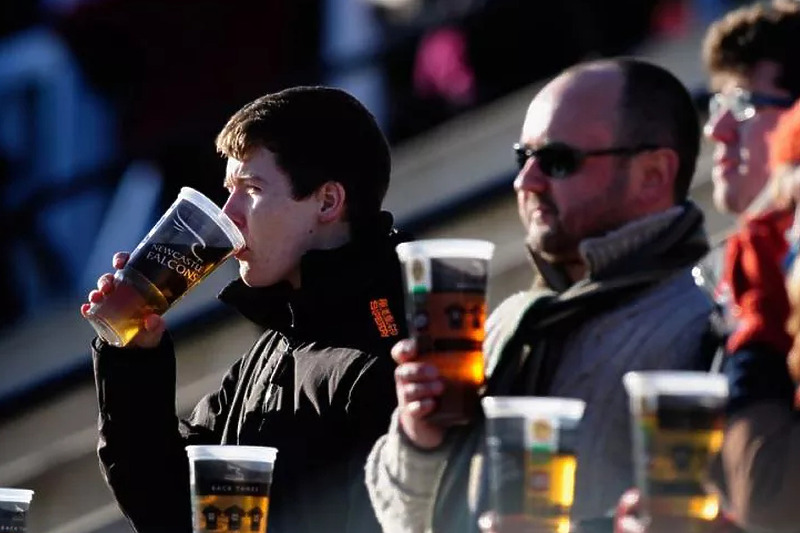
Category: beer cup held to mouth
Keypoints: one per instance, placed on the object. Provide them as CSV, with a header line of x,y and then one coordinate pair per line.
x,y
190,240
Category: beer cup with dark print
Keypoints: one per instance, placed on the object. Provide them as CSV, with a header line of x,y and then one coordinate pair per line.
x,y
14,504
531,443
190,241
446,282
677,423
230,487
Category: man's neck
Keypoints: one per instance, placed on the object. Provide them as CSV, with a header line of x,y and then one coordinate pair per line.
x,y
575,270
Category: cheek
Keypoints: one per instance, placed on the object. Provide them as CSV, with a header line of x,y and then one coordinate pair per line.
x,y
755,138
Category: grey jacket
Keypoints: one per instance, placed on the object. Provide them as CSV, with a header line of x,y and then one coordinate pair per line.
x,y
639,308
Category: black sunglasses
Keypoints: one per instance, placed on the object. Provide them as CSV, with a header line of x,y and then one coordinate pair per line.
x,y
559,160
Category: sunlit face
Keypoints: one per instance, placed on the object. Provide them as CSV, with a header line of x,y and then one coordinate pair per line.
x,y
278,230
560,212
741,157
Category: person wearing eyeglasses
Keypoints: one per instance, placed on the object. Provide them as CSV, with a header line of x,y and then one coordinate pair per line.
x,y
758,470
750,55
606,155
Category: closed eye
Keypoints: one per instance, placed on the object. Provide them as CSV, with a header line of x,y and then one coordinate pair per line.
x,y
248,185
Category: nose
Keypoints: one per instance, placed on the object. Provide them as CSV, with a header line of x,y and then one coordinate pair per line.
x,y
531,178
722,127
233,209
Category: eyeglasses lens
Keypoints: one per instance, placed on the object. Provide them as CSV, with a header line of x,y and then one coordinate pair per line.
x,y
553,161
558,162
738,104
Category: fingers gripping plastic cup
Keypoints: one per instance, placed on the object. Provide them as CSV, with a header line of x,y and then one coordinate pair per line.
x,y
446,285
230,487
14,505
532,443
677,423
188,243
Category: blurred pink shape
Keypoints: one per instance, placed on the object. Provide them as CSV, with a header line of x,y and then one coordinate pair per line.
x,y
441,67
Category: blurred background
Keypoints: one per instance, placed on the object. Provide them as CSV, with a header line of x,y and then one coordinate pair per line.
x,y
108,107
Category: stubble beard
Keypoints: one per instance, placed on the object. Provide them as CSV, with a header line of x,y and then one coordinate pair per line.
x,y
552,243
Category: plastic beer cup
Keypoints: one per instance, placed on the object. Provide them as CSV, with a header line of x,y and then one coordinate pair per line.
x,y
677,423
446,282
190,241
532,443
230,487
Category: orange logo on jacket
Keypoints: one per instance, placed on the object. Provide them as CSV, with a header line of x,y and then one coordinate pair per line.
x,y
383,317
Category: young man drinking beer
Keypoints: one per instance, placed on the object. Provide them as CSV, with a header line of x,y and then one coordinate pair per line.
x,y
307,171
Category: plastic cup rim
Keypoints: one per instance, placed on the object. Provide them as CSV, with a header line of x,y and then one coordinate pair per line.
x,y
16,495
675,382
229,452
446,248
504,406
213,211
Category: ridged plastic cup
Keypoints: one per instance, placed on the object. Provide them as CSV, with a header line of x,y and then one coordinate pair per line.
x,y
230,487
188,243
677,425
532,444
446,288
14,507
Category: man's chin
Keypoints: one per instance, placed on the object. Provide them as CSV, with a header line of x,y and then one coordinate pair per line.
x,y
248,277
551,248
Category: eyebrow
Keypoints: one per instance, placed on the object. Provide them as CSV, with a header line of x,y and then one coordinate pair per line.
x,y
231,181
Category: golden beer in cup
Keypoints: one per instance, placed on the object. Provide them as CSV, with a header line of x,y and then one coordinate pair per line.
x,y
446,282
532,443
191,239
677,424
230,487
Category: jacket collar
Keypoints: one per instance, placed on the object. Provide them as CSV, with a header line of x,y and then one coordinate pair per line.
x,y
666,241
333,281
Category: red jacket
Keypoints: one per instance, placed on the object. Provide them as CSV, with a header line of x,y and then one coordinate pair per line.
x,y
753,271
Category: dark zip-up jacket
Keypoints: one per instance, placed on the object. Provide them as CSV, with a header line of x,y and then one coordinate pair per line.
x,y
318,385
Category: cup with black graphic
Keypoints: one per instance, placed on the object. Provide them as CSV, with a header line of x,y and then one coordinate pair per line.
x,y
191,239
14,504
532,445
677,423
230,487
446,283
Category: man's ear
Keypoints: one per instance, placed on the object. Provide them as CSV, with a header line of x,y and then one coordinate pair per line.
x,y
331,195
655,172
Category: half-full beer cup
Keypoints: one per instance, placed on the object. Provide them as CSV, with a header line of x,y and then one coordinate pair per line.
x,y
188,243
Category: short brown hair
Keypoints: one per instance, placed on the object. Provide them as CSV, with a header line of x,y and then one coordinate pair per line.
x,y
317,134
656,108
743,37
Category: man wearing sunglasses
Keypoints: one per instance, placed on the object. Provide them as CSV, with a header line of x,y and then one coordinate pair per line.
x,y
606,156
